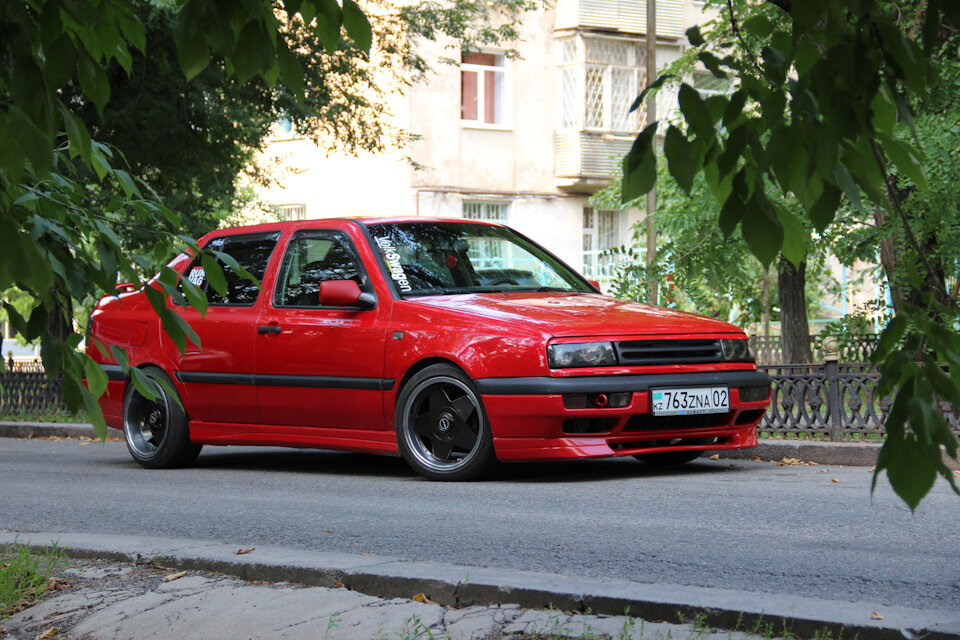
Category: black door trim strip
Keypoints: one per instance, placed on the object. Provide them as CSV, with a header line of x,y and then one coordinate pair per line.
x,y
267,380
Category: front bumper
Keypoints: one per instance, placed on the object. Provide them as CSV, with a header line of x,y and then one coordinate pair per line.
x,y
530,422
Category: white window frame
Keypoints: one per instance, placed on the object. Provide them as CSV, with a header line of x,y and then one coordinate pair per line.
x,y
576,70
488,210
291,212
506,98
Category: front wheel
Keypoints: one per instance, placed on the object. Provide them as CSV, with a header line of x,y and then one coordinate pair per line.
x,y
156,432
442,429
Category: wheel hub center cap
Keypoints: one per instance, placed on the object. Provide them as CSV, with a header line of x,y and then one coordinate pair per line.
x,y
445,423
155,417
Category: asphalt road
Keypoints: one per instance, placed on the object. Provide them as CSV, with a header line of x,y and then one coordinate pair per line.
x,y
741,525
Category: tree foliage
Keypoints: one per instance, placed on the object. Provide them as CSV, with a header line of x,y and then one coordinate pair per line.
x,y
826,91
55,247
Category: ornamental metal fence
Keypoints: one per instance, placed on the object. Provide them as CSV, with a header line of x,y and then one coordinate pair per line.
x,y
856,348
25,389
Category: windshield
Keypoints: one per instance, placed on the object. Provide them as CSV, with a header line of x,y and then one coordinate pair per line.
x,y
436,258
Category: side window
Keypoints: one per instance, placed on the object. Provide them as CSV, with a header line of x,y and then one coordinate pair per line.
x,y
311,258
252,252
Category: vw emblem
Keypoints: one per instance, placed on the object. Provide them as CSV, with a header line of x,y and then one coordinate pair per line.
x,y
444,424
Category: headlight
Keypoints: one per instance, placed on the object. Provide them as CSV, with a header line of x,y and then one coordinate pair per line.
x,y
736,350
590,354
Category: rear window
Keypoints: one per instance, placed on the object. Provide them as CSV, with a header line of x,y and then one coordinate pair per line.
x,y
252,252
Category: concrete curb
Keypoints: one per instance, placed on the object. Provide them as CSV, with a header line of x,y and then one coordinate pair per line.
x,y
458,586
850,454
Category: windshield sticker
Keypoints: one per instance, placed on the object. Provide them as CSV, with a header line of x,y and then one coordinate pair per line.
x,y
196,276
393,262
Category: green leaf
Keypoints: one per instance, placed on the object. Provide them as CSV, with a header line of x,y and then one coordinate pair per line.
x,y
94,82
694,111
891,335
194,295
213,273
357,25
96,377
193,51
682,158
884,109
761,228
650,87
290,70
694,36
144,384
825,208
795,237
328,22
77,134
906,159
640,166
758,25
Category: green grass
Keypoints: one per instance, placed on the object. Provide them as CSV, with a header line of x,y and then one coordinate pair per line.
x,y
25,576
52,415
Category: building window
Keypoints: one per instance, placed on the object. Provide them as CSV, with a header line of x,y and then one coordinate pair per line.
x,y
484,89
289,212
491,211
488,254
599,79
601,232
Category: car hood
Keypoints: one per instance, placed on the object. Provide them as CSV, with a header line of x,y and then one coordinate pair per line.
x,y
571,315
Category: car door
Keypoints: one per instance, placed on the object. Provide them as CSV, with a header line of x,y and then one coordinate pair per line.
x,y
217,377
320,366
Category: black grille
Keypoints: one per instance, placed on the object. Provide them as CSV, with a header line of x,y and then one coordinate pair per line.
x,y
651,352
588,425
650,422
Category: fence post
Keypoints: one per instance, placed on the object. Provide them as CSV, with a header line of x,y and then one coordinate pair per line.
x,y
831,358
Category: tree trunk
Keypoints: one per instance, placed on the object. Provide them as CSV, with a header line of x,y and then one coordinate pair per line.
x,y
795,332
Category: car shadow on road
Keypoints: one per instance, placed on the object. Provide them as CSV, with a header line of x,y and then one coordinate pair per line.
x,y
313,461
607,469
324,462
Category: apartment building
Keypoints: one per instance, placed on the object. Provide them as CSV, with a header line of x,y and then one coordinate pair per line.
x,y
523,140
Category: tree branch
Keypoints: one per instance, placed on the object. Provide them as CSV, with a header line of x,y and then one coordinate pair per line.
x,y
743,43
940,287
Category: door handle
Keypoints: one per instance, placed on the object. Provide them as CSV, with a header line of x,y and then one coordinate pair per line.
x,y
269,329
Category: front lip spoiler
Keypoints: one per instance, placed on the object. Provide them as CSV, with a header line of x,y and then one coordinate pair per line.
x,y
544,385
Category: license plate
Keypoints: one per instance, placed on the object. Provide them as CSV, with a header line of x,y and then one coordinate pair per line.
x,y
678,402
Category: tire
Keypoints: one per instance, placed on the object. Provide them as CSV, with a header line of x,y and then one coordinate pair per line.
x,y
156,433
672,458
442,428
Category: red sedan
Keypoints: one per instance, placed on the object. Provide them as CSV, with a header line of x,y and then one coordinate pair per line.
x,y
453,343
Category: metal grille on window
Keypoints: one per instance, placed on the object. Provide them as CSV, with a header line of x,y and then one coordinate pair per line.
x,y
571,90
291,211
594,111
597,90
601,232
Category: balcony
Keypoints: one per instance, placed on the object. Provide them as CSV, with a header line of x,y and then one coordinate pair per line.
x,y
624,16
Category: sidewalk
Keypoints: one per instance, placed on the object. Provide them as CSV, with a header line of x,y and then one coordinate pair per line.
x,y
111,600
852,454
376,597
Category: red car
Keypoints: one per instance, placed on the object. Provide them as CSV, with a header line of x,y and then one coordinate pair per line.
x,y
453,343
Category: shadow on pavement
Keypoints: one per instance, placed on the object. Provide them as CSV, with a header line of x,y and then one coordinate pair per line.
x,y
322,462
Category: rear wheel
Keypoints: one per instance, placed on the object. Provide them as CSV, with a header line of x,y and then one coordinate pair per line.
x,y
156,432
442,429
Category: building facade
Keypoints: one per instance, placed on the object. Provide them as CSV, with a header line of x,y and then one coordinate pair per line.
x,y
523,140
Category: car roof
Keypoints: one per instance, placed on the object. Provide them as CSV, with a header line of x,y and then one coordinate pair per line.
x,y
313,222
